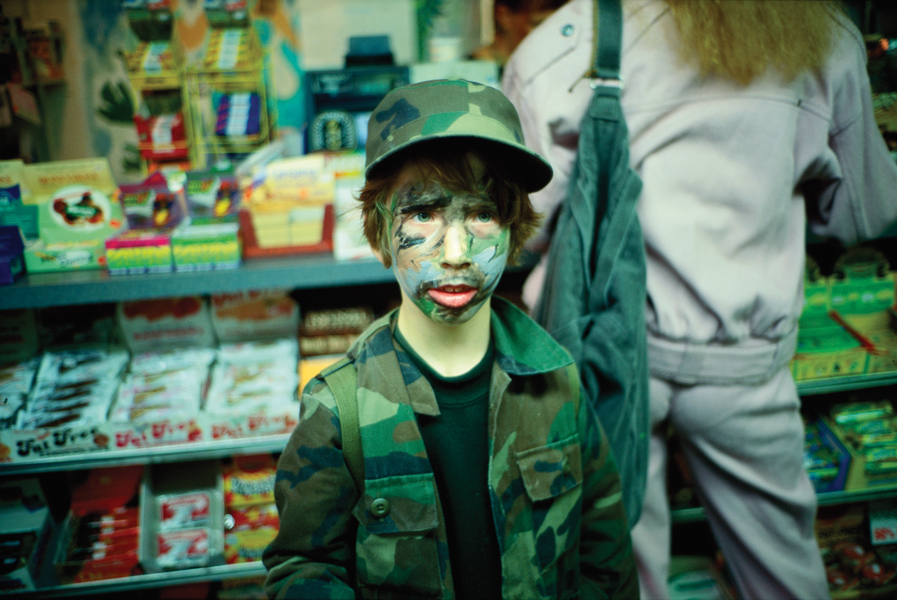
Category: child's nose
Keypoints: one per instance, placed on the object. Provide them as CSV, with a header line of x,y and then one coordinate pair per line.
x,y
457,246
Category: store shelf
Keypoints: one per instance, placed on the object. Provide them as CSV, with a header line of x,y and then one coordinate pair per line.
x,y
97,286
697,513
308,271
830,385
156,580
145,456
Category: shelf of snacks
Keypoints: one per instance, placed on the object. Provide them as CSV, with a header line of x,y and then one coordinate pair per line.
x,y
97,286
129,528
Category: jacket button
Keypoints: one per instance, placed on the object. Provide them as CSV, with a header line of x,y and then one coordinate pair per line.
x,y
567,30
380,507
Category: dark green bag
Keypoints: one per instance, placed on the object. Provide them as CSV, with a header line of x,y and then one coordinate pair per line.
x,y
593,297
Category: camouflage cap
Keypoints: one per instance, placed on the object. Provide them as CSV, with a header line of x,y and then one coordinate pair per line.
x,y
449,109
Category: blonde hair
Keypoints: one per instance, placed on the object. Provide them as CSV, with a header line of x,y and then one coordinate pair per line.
x,y
740,39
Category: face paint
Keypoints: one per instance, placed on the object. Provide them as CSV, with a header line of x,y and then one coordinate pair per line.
x,y
449,250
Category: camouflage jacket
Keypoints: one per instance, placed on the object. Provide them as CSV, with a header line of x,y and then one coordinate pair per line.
x,y
555,489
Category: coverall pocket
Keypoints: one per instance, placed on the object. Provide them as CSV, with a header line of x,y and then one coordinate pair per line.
x,y
552,476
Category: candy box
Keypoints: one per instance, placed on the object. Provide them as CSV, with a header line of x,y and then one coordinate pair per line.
x,y
212,194
151,205
98,545
77,212
139,251
207,246
165,323
826,348
181,516
249,480
11,247
868,430
42,256
254,315
247,545
26,526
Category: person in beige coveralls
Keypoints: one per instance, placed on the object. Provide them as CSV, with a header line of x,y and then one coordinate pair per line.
x,y
741,146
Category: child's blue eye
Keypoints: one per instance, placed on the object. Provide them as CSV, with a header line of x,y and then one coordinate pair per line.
x,y
423,217
484,217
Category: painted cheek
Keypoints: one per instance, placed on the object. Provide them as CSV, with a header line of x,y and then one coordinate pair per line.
x,y
491,256
412,252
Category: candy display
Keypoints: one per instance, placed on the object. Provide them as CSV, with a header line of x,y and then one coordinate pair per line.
x,y
74,387
254,377
251,519
163,385
182,516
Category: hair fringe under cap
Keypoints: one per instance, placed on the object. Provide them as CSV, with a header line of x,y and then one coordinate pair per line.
x,y
456,108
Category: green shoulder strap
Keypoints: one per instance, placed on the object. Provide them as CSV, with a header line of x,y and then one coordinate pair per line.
x,y
341,378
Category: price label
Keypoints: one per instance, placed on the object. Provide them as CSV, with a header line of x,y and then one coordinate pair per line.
x,y
883,526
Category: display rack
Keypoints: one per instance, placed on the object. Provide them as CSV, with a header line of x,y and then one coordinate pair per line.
x,y
98,286
155,70
305,272
228,96
149,581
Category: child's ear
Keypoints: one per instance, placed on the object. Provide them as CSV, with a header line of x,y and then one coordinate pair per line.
x,y
379,255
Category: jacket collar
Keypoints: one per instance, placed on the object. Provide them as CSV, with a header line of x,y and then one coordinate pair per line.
x,y
522,348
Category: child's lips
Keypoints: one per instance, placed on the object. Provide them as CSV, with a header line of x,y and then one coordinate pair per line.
x,y
452,296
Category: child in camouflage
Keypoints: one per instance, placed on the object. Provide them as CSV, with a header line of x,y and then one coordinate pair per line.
x,y
485,476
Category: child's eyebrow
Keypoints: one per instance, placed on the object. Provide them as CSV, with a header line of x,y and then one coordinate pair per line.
x,y
423,205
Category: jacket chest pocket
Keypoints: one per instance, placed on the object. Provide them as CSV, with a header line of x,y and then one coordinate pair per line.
x,y
396,543
552,477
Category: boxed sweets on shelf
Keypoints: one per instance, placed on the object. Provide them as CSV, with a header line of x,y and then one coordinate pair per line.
x,y
825,347
846,327
73,388
161,137
868,430
153,210
12,246
166,323
26,527
210,237
255,378
77,212
863,294
826,460
326,334
100,535
154,59
856,568
332,330
213,195
15,211
16,380
289,207
163,386
181,516
250,315
250,519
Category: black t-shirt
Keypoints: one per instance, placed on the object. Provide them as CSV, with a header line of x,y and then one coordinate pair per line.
x,y
457,444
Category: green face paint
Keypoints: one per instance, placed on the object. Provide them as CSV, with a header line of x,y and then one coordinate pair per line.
x,y
449,250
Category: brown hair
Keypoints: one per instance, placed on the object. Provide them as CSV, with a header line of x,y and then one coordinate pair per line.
x,y
740,39
447,162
